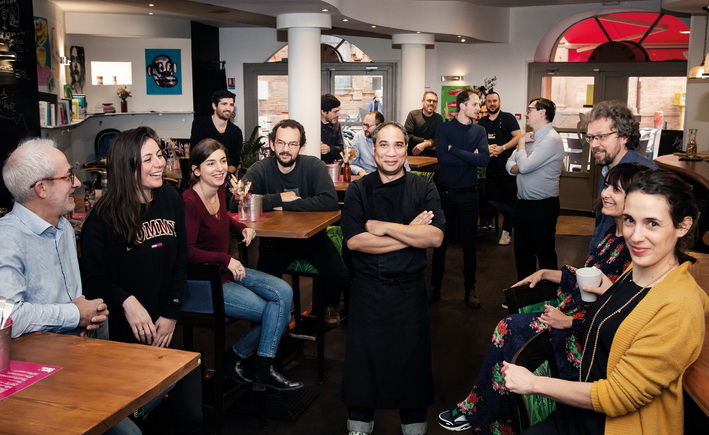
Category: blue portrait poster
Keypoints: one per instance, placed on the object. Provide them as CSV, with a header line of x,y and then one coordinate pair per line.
x,y
163,71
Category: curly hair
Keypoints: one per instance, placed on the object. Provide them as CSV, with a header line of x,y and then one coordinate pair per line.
x,y
621,117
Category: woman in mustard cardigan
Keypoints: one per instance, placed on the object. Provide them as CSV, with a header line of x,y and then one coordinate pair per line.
x,y
643,331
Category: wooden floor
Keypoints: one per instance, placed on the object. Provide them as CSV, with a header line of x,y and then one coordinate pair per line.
x,y
460,337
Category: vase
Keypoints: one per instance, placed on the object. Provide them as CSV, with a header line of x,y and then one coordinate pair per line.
x,y
124,106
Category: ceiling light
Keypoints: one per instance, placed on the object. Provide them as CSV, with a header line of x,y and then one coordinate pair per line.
x,y
699,72
453,78
150,13
462,40
326,10
151,5
418,32
459,36
373,26
345,20
685,32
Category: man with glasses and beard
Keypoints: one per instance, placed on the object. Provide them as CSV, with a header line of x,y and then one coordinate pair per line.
x,y
218,126
421,126
293,182
613,134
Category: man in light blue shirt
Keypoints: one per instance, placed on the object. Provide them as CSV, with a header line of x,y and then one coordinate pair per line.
x,y
537,165
363,163
39,268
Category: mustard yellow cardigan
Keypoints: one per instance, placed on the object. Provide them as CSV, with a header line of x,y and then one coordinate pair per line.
x,y
652,348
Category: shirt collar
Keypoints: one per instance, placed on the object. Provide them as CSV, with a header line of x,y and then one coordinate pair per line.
x,y
35,223
542,131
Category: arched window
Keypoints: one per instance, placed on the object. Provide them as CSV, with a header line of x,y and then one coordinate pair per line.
x,y
624,37
333,50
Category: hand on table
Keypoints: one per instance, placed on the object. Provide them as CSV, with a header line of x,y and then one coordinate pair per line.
x,y
139,320
289,196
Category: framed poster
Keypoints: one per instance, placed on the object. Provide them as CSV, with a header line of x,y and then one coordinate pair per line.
x,y
163,71
448,95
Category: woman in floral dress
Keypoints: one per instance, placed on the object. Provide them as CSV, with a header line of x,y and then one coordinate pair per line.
x,y
490,408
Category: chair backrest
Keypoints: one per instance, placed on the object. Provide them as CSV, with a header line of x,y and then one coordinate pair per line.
x,y
103,140
523,295
533,353
204,291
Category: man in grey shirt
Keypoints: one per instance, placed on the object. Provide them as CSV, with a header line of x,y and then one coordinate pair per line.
x,y
39,268
537,165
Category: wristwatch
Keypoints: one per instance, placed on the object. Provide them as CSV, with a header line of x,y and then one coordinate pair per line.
x,y
503,148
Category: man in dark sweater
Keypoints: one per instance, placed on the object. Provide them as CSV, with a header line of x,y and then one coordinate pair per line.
x,y
461,146
331,141
218,126
421,126
293,182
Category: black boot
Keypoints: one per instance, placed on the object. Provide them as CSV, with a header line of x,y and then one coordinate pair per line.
x,y
268,376
238,368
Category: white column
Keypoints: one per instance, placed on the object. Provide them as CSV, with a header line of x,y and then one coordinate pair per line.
x,y
413,70
304,87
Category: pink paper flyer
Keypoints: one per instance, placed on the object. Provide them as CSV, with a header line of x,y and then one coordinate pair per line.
x,y
21,375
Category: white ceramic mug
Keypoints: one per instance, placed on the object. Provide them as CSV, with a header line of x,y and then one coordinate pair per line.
x,y
588,276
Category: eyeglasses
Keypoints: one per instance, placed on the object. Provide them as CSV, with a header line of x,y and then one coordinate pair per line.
x,y
601,137
292,145
71,178
529,109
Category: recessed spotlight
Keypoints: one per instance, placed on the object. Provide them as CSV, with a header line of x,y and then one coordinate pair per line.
x,y
462,40
373,26
151,5
150,13
345,20
418,32
458,36
326,10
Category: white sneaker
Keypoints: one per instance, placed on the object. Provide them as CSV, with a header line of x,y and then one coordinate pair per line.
x,y
505,238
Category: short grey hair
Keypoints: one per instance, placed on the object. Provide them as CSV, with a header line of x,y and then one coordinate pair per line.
x,y
376,131
29,163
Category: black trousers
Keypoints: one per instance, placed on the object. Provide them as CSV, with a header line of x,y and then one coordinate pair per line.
x,y
461,211
408,416
275,255
535,230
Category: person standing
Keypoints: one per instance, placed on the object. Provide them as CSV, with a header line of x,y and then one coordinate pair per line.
x,y
500,187
537,165
331,141
389,219
461,147
421,126
218,126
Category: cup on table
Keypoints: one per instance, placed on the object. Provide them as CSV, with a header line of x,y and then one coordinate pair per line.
x,y
588,276
5,337
334,171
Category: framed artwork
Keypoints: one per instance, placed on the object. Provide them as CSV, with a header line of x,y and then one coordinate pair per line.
x,y
163,73
45,76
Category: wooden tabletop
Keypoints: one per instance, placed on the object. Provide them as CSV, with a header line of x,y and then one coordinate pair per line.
x,y
341,186
418,162
101,382
293,224
697,171
696,378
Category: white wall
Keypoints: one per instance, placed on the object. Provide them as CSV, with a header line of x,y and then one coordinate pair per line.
x,y
104,48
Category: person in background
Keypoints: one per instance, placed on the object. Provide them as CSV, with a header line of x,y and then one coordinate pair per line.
x,y
503,132
632,363
537,165
364,162
134,247
294,182
331,141
489,407
376,104
390,218
258,297
421,126
461,147
219,126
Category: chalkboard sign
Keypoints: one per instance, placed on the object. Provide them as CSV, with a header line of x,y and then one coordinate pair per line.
x,y
19,110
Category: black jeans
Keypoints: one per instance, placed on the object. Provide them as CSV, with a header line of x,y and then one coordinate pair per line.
x,y
460,207
275,255
535,235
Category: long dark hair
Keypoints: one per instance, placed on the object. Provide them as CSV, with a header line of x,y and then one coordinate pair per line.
x,y
679,199
622,176
124,202
201,152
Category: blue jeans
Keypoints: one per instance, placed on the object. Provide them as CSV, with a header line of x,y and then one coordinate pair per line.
x,y
264,300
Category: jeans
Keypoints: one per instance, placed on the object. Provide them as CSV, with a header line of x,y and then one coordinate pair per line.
x,y
264,300
461,209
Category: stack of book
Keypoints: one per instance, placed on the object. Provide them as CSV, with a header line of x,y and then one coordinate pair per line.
x,y
108,108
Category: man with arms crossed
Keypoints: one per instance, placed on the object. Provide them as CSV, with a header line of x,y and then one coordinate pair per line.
x,y
537,165
293,182
421,126
390,218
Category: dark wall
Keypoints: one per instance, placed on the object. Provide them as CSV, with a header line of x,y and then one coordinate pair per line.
x,y
208,74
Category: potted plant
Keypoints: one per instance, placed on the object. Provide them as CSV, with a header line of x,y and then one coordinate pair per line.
x,y
251,150
123,93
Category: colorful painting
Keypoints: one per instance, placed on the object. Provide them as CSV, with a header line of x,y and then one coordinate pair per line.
x,y
448,94
163,72
45,77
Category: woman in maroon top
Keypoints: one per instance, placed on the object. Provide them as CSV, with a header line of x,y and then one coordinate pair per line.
x,y
249,294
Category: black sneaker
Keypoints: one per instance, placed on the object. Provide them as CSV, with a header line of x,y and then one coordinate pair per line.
x,y
453,420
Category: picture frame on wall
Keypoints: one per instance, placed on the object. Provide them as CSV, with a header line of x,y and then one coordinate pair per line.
x,y
163,72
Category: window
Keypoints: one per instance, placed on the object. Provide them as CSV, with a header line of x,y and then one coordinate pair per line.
x,y
111,73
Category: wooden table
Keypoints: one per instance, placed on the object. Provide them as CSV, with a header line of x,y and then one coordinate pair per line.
x,y
420,162
697,171
696,378
293,224
341,186
101,382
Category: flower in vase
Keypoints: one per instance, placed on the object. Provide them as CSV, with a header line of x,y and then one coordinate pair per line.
x,y
123,92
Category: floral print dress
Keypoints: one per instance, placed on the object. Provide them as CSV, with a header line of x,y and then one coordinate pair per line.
x,y
490,408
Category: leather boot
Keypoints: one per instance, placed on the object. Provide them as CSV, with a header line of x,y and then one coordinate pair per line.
x,y
268,375
237,368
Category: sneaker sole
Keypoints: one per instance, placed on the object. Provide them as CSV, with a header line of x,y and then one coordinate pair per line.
x,y
454,428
